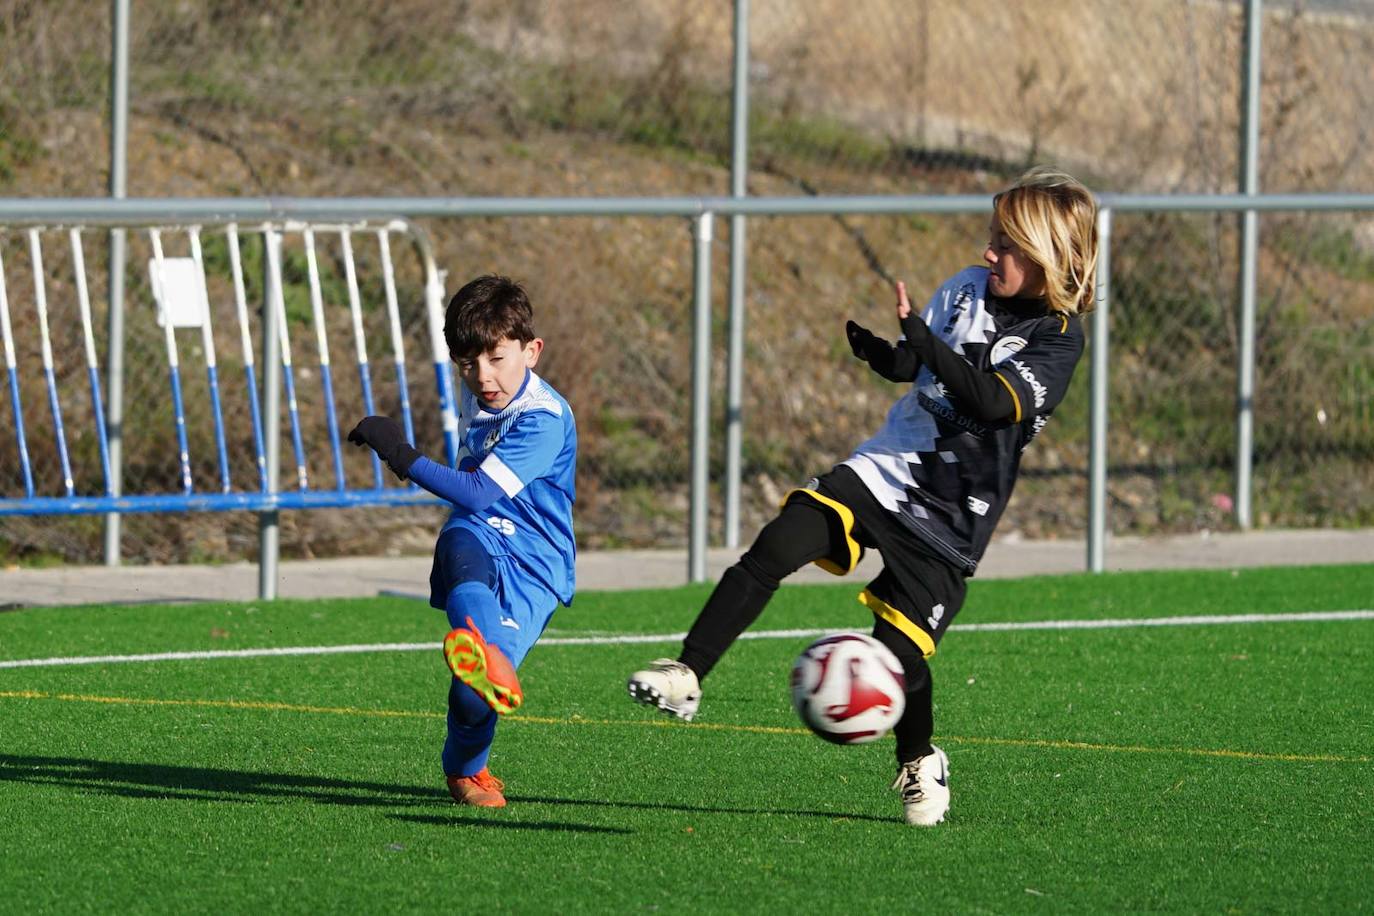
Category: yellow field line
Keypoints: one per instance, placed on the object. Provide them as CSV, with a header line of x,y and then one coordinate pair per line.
x,y
260,705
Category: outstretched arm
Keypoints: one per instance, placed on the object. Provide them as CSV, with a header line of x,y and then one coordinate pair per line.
x,y
472,489
895,363
982,394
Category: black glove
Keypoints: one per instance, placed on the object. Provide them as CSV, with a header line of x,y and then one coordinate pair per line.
x,y
860,339
896,364
386,437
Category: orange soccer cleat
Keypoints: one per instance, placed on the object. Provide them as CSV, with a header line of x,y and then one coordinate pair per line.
x,y
481,789
483,667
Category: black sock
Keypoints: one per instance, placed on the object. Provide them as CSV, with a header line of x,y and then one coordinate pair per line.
x,y
737,601
801,533
914,730
917,725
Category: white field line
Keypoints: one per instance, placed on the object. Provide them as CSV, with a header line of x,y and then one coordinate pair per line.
x,y
629,639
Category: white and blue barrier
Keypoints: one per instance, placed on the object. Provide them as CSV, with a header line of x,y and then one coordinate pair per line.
x,y
180,288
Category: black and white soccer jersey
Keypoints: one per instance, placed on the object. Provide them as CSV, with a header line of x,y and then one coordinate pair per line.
x,y
944,474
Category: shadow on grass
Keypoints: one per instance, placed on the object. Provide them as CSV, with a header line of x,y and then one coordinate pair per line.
x,y
159,781
147,780
701,809
455,820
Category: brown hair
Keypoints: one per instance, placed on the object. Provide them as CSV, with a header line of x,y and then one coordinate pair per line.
x,y
485,312
1053,218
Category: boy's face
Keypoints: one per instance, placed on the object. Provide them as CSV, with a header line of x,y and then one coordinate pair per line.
x,y
1013,272
495,376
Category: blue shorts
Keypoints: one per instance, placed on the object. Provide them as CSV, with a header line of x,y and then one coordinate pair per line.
x,y
524,604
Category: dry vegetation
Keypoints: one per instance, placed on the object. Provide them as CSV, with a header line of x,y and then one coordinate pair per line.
x,y
1142,94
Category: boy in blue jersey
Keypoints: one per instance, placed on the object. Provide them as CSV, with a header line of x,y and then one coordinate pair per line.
x,y
504,559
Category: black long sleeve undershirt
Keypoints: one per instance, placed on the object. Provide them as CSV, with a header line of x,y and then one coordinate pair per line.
x,y
982,396
897,363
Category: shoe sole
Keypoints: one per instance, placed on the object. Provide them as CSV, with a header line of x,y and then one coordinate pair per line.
x,y
488,802
468,662
938,820
647,695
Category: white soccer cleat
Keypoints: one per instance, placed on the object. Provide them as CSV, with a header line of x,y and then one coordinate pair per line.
x,y
668,685
924,784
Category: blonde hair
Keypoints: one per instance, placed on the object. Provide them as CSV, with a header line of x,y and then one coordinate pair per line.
x,y
1053,218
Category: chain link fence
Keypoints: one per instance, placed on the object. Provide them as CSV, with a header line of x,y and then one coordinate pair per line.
x,y
592,98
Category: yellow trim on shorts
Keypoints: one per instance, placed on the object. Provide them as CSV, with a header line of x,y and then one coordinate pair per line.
x,y
846,517
881,608
1016,402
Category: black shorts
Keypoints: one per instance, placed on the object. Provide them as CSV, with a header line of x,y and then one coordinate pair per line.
x,y
918,591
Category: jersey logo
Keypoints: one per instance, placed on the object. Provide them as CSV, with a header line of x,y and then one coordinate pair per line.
x,y
956,308
1004,348
950,415
503,525
935,614
979,507
1038,389
964,296
490,441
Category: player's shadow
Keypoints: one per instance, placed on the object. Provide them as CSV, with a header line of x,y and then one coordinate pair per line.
x,y
454,820
147,780
699,809
161,781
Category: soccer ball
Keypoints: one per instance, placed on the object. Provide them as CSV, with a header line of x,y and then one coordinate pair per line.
x,y
848,688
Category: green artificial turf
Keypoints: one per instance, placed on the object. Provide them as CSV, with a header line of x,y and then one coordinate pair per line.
x,y
1194,768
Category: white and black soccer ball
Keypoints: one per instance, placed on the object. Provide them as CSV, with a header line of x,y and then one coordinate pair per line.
x,y
848,688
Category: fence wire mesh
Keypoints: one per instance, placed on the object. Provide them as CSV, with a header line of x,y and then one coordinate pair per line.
x,y
587,98
358,98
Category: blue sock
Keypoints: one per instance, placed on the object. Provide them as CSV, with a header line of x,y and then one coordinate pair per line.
x,y
471,722
475,600
471,727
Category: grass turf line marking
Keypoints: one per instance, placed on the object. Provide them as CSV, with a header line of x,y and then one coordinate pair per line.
x,y
222,653
267,706
257,705
631,639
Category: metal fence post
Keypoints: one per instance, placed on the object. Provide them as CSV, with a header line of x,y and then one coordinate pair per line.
x,y
119,168
734,373
269,532
1249,252
1097,422
701,396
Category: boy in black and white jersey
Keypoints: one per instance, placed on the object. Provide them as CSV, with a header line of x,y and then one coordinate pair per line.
x,y
989,358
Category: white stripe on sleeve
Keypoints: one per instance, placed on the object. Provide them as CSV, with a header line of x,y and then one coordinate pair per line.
x,y
505,478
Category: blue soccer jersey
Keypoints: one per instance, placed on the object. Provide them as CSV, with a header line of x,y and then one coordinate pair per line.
x,y
529,449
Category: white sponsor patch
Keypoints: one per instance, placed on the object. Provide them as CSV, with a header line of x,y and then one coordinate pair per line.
x,y
503,525
978,506
1005,347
